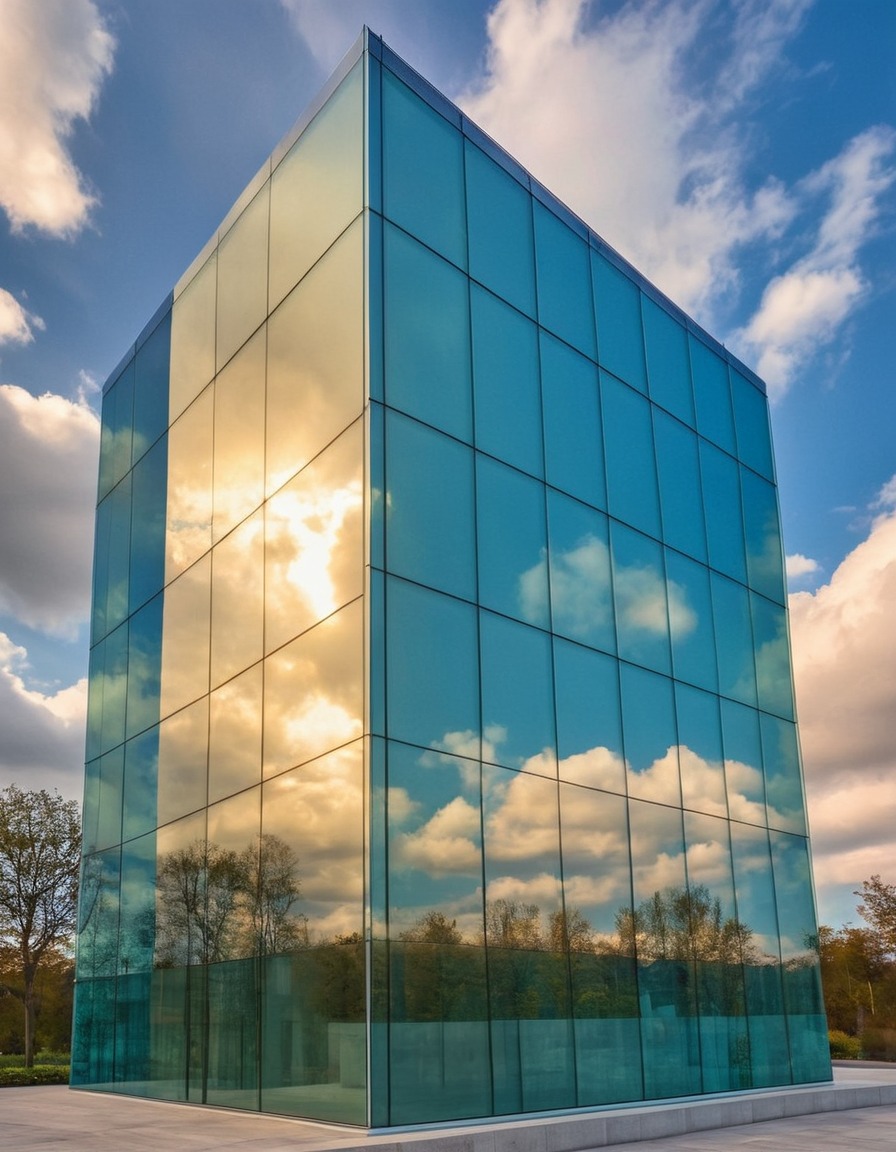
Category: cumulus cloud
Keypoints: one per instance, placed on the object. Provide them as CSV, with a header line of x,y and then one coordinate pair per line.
x,y
799,565
845,674
48,446
54,57
16,322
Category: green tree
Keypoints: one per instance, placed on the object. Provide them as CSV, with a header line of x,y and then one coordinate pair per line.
x,y
40,851
878,907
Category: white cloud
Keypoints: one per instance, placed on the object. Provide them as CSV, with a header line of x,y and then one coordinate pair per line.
x,y
16,322
799,565
43,732
48,450
54,56
845,673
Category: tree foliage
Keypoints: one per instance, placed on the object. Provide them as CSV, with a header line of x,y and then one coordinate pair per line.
x,y
878,907
40,849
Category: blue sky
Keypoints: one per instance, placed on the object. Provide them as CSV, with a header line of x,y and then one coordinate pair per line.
x,y
743,156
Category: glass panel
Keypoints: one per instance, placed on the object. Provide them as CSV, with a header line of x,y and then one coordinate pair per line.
x,y
427,337
589,729
312,839
313,692
234,876
581,589
185,638
238,599
313,541
743,763
679,483
754,445
712,395
112,559
573,442
772,657
432,669
511,528
183,745
517,695
734,639
765,564
182,925
231,1075
151,388
650,735
243,277
700,753
317,188
430,512
189,514
423,171
98,907
113,688
724,519
144,667
617,303
138,913
234,735
141,764
564,281
691,622
109,771
499,220
505,383
668,365
116,432
642,614
783,778
239,437
315,361
631,461
193,338
147,566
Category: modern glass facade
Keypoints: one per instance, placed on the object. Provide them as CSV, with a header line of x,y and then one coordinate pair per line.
x,y
441,753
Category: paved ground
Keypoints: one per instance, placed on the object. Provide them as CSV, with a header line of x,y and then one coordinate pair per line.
x,y
54,1119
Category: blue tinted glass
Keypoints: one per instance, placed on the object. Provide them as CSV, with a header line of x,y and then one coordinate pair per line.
x,y
151,388
650,736
144,667
589,729
743,763
517,695
116,433
783,779
754,444
668,365
679,483
138,890
507,396
147,568
639,585
98,914
423,171
513,575
429,507
499,218
617,302
101,542
772,657
700,751
631,463
734,640
427,342
110,778
564,281
113,692
573,443
141,769
712,396
431,657
691,622
765,565
581,587
721,503
111,559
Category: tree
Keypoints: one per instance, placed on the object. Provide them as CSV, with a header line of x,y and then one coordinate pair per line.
x,y
40,851
878,907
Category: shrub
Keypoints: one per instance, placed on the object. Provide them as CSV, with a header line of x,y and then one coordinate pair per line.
x,y
39,1074
843,1046
879,1043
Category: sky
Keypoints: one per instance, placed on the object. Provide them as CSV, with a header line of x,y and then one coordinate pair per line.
x,y
741,155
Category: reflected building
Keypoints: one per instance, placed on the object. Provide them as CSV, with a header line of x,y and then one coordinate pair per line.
x,y
441,755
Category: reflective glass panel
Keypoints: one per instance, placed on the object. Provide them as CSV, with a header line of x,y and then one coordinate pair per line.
x,y
765,564
639,585
189,514
700,754
238,882
754,445
117,430
499,222
317,188
239,437
108,688
668,364
617,303
183,744
649,735
183,930
712,396
630,457
185,637
193,338
691,621
513,567
772,657
237,599
423,171
783,779
506,389
112,559
109,775
151,388
564,281
724,520
144,667
517,695
141,773
315,362
679,483
573,442
137,917
97,949
430,532
734,639
743,763
243,277
589,728
427,336
149,502
581,588
234,735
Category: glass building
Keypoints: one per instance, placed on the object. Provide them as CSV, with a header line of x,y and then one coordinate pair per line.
x,y
441,755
